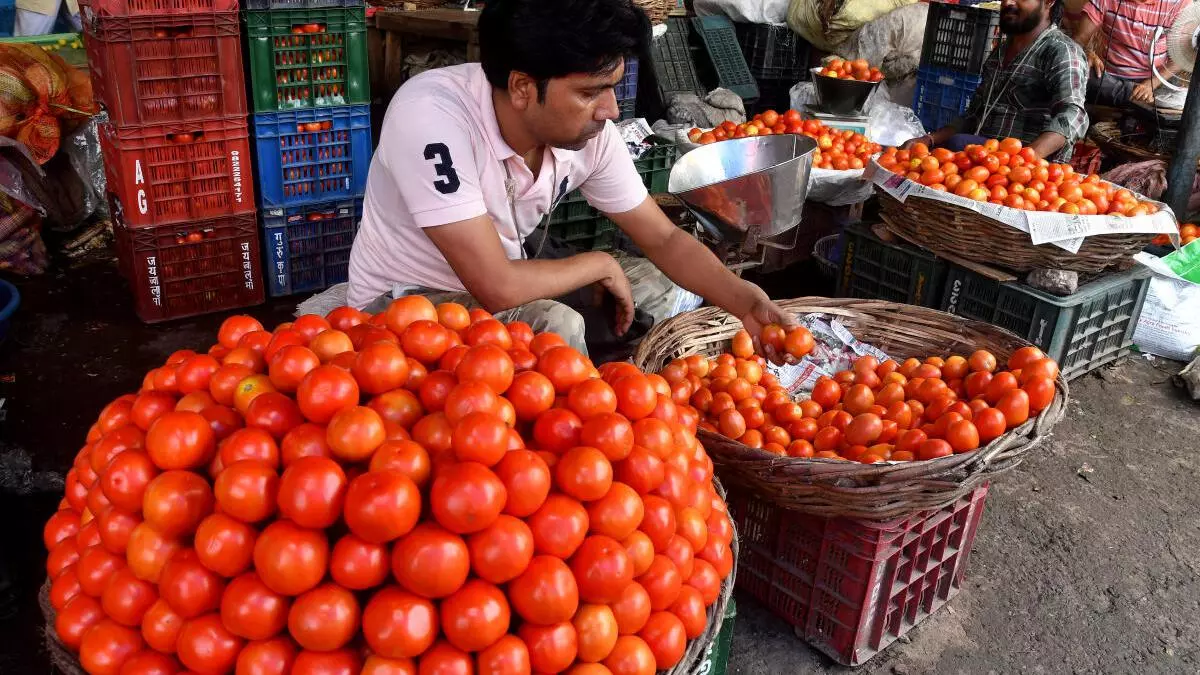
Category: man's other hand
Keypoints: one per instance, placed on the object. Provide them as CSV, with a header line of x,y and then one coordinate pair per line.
x,y
617,285
1096,63
1144,91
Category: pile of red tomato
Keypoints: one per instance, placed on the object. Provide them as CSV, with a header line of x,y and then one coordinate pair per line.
x,y
839,149
875,412
1010,174
1188,232
423,490
853,69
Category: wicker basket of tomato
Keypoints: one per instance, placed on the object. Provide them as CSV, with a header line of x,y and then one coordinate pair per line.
x,y
958,403
1000,204
426,488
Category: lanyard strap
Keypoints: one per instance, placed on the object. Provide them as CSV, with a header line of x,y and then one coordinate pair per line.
x,y
510,189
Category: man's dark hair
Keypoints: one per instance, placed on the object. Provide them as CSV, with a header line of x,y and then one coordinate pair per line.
x,y
555,38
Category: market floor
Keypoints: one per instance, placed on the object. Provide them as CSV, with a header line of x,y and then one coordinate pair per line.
x,y
1086,559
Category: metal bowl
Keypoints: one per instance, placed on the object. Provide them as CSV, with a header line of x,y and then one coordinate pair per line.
x,y
841,96
746,186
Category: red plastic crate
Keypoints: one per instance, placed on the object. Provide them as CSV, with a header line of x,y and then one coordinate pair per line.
x,y
183,270
172,173
93,8
851,587
167,68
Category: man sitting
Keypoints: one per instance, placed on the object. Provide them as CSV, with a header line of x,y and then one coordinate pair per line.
x,y
1123,72
473,158
1033,87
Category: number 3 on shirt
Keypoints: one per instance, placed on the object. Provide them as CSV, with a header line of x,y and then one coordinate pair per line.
x,y
449,183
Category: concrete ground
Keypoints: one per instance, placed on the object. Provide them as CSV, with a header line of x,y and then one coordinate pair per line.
x,y
1086,559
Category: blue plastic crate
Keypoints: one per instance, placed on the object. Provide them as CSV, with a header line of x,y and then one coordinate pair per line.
x,y
941,95
10,300
627,87
8,17
298,166
307,248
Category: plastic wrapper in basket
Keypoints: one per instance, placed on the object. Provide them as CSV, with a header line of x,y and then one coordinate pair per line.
x,y
832,488
1014,239
67,663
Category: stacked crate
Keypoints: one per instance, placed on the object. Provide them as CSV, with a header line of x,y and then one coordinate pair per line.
x,y
176,152
778,58
958,41
1082,331
312,135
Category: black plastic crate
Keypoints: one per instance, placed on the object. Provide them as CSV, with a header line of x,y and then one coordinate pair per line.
x,y
959,37
873,269
628,109
728,63
774,52
772,95
1083,331
673,67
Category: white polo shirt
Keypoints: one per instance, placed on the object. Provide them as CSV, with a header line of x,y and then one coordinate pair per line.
x,y
441,159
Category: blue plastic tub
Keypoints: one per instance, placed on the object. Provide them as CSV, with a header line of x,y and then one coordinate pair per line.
x,y
298,167
307,248
10,299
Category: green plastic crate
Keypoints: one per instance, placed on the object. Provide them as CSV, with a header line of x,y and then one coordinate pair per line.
x,y
290,70
1083,331
577,223
69,46
728,62
716,657
873,269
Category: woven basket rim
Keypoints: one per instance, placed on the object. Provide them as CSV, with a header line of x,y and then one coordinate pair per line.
x,y
1108,134
657,10
697,648
952,231
830,487
60,655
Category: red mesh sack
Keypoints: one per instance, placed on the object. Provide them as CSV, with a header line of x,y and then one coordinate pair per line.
x,y
39,93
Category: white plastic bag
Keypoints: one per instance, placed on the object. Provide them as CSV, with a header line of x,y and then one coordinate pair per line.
x,y
1170,322
838,188
745,11
888,123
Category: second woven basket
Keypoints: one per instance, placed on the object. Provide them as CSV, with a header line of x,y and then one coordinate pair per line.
x,y
833,488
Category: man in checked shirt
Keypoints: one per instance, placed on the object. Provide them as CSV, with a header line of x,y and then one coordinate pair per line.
x,y
1033,87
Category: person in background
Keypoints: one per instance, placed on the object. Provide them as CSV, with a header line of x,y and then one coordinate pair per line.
x,y
1123,72
1033,87
472,158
